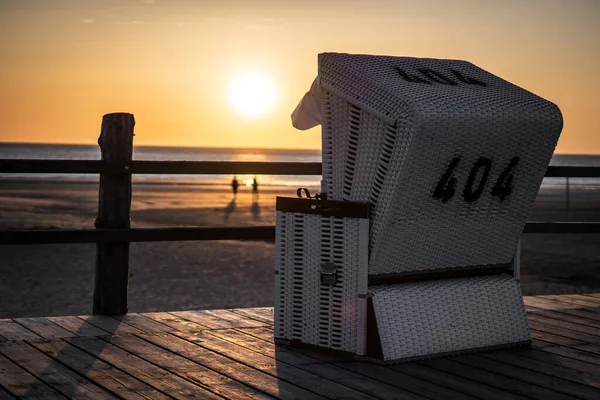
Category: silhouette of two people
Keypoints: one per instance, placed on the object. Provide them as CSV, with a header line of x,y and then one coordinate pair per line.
x,y
254,209
235,185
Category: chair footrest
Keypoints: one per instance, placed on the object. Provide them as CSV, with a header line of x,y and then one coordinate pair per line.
x,y
440,317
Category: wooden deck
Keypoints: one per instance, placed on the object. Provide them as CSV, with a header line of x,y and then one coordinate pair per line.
x,y
230,354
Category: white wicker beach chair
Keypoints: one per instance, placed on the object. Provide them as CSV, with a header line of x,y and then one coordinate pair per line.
x,y
450,159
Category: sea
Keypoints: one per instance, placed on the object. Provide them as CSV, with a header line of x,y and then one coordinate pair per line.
x,y
157,153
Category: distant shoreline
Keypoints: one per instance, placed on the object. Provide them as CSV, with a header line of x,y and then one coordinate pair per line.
x,y
217,185
551,183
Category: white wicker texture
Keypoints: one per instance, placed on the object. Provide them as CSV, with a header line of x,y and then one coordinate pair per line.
x,y
419,320
390,141
306,309
327,144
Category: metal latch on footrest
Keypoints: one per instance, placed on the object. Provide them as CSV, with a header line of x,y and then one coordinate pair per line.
x,y
328,274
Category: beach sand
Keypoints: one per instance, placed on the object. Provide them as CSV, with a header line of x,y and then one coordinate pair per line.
x,y
40,280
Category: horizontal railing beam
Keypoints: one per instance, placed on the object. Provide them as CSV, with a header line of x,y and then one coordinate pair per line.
x,y
159,167
573,172
265,233
562,227
225,168
49,236
30,166
57,167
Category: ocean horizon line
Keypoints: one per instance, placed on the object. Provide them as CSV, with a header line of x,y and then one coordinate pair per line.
x,y
211,148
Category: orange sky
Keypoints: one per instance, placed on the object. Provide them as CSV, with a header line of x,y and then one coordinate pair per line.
x,y
65,63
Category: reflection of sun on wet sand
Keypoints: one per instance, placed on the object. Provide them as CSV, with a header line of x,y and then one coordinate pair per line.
x,y
58,279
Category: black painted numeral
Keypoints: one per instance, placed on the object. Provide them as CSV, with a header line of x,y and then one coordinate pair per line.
x,y
411,78
445,188
437,76
467,79
470,195
503,187
430,76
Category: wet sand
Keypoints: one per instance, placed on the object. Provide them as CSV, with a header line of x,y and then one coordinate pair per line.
x,y
38,280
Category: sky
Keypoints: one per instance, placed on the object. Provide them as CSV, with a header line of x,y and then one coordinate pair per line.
x,y
174,63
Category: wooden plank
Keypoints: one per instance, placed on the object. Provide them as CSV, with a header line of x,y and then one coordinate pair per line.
x,y
218,319
78,326
374,371
251,377
22,384
263,315
266,312
235,320
563,308
564,346
563,323
187,369
54,374
590,348
142,323
177,323
141,369
579,338
585,297
543,339
551,364
208,322
454,381
594,295
573,298
329,370
263,333
576,354
530,382
282,371
116,381
5,395
492,379
13,331
108,324
583,304
43,327
563,328
563,317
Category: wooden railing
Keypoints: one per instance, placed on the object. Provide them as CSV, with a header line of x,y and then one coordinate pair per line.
x,y
113,233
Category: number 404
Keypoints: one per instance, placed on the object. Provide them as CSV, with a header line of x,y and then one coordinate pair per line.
x,y
446,186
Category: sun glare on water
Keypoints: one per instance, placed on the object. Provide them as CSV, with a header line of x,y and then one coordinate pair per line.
x,y
252,94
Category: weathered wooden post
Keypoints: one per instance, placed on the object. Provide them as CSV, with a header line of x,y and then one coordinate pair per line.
x,y
114,205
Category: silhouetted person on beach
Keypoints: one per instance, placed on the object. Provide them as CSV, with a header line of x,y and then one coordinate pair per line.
x,y
234,185
255,187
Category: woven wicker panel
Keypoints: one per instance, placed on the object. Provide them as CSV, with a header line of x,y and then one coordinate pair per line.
x,y
281,267
393,141
307,310
327,144
418,320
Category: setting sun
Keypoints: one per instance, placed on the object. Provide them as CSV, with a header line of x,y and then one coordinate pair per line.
x,y
252,94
